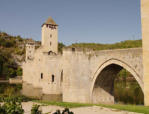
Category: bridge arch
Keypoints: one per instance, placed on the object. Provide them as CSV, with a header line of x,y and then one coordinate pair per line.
x,y
103,80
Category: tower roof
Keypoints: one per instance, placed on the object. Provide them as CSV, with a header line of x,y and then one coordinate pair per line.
x,y
50,21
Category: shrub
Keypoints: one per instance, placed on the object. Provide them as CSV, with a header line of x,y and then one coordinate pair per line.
x,y
35,109
57,112
12,107
65,111
21,98
19,51
19,71
9,91
2,110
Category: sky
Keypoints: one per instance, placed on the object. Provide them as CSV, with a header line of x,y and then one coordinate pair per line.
x,y
94,21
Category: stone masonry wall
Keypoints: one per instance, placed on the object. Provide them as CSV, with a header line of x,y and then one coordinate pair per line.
x,y
82,68
75,72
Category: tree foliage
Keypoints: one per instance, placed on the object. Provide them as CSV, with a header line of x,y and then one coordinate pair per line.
x,y
9,46
119,45
35,109
60,47
11,107
127,89
8,66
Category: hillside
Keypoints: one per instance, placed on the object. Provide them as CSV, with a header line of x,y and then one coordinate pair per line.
x,y
119,45
12,53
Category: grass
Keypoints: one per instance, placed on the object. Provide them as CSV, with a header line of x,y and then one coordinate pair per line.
x,y
63,104
130,108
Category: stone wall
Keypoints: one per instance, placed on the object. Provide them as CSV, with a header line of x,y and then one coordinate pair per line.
x,y
34,92
79,75
82,68
39,71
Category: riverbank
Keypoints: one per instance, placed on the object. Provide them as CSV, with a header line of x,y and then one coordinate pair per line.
x,y
130,108
50,109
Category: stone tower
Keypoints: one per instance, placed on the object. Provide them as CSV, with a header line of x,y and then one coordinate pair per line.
x,y
30,49
50,36
145,39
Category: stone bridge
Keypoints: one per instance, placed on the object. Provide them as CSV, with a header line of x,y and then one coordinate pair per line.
x,y
89,75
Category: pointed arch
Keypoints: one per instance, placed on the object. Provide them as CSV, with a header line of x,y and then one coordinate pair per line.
x,y
116,62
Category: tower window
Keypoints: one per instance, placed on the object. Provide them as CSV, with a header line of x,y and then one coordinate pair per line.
x,y
50,35
52,78
50,43
41,75
62,76
73,49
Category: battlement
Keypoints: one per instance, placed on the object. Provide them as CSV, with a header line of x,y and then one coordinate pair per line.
x,y
75,50
96,52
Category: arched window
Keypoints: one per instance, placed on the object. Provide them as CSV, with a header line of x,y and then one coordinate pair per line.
x,y
52,78
41,75
50,35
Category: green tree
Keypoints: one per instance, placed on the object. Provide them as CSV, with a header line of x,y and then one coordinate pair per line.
x,y
19,71
60,47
